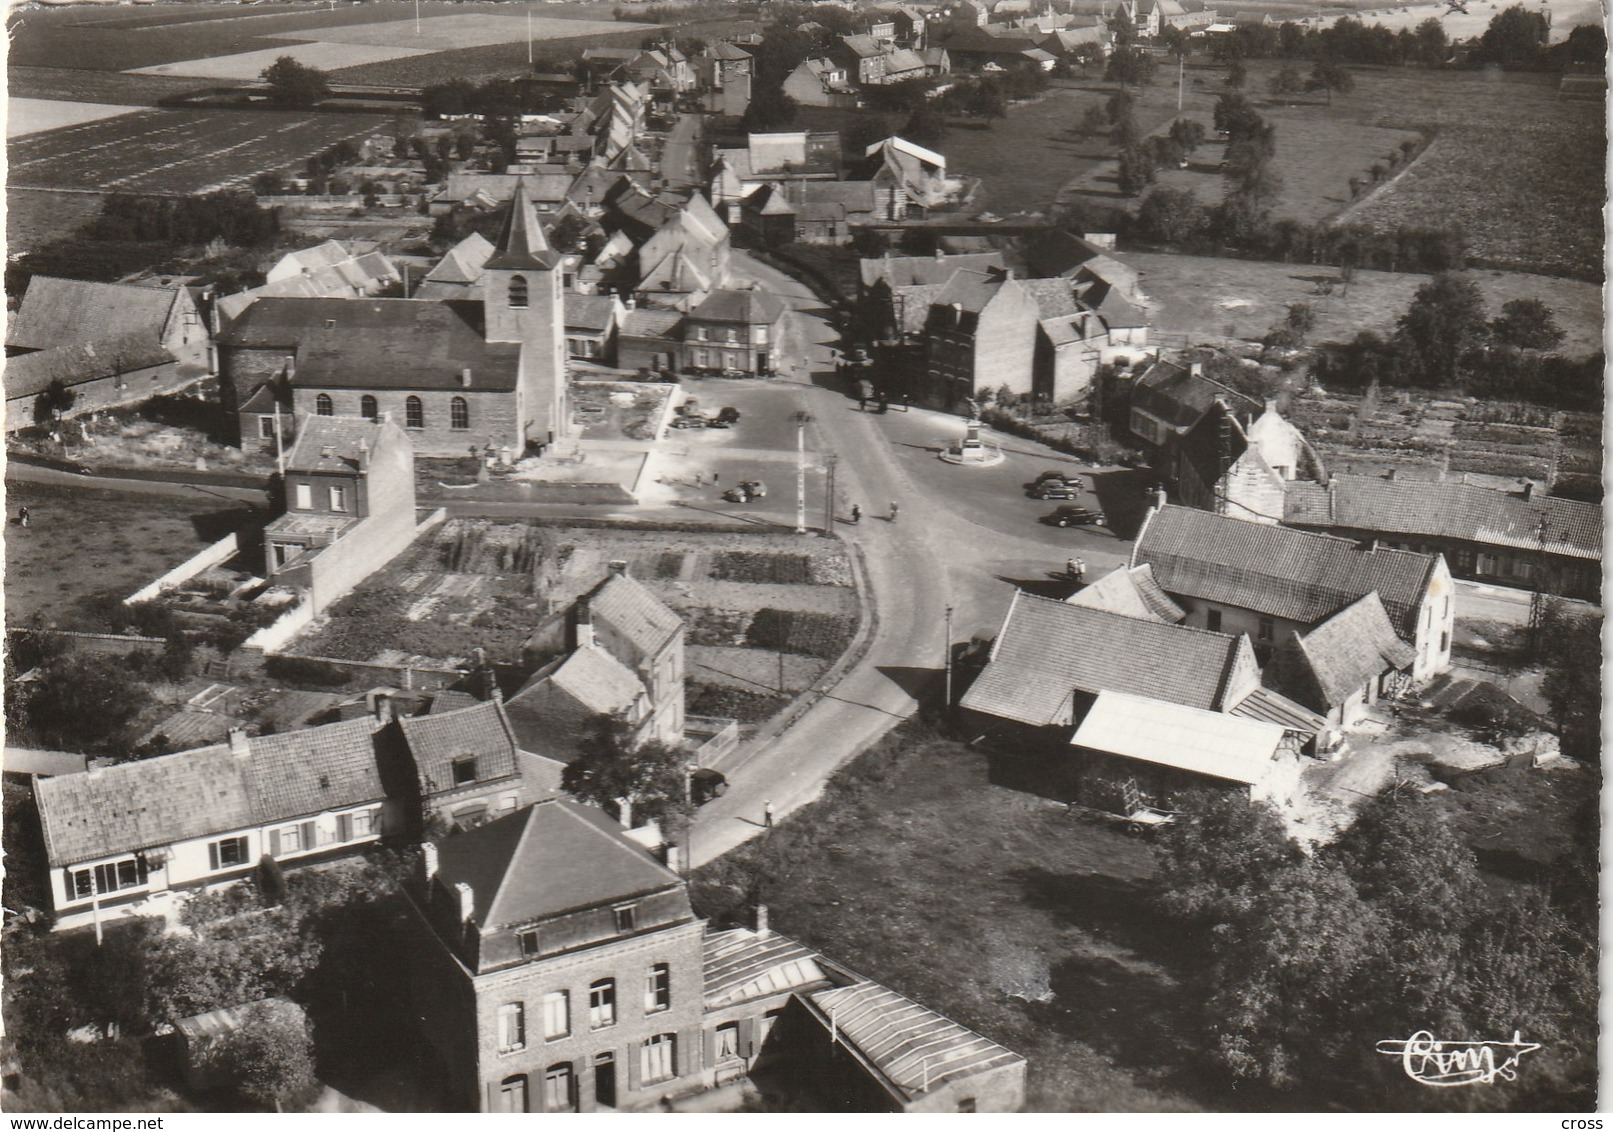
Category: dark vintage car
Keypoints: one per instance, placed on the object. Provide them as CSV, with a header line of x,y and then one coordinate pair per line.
x,y
706,784
1070,516
1054,489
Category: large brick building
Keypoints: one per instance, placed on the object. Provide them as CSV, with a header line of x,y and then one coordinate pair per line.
x,y
461,377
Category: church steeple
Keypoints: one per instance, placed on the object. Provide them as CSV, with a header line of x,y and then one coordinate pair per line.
x,y
521,245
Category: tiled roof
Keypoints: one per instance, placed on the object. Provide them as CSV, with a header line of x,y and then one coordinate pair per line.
x,y
552,857
650,322
634,613
1057,253
748,308
908,270
863,46
598,681
1180,397
334,444
741,965
1344,653
902,60
210,790
1048,650
971,290
1297,575
589,312
28,760
464,261
379,343
55,312
853,196
1054,297
1450,510
1117,311
914,1049
451,700
74,363
1203,742
481,732
1132,592
522,245
722,49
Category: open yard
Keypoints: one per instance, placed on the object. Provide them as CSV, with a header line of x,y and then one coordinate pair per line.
x,y
178,151
1201,296
82,542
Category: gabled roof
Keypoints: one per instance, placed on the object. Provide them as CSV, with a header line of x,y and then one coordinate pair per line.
x,y
633,613
903,59
1220,746
1049,650
55,312
1057,253
1343,654
550,858
913,1050
1296,575
597,681
1132,592
27,375
1180,397
651,322
1451,510
1054,297
908,270
334,444
747,308
559,706
463,262
210,790
1270,706
521,245
971,290
722,49
741,965
863,46
589,312
436,741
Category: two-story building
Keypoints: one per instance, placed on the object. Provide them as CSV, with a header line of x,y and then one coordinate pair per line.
x,y
462,766
979,336
734,330
138,837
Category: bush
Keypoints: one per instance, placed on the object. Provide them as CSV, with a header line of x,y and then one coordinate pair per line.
x,y
822,635
300,670
761,566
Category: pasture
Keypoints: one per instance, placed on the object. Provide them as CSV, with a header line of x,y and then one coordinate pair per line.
x,y
1201,296
178,151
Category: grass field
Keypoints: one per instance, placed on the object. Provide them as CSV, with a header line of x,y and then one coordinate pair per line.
x,y
38,216
111,87
35,115
178,151
1201,296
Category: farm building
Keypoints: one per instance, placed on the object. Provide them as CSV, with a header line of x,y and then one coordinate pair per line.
x,y
1511,537
461,377
1131,752
1344,665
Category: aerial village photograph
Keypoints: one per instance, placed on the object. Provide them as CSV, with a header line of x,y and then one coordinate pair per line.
x,y
775,557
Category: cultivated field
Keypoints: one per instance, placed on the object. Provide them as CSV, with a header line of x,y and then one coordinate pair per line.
x,y
472,29
1202,296
178,151
38,216
248,65
36,115
108,87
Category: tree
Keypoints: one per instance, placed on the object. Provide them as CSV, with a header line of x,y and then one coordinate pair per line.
x,y
1187,133
1094,121
1237,75
1516,37
1235,117
1287,81
1432,43
269,1058
1572,683
770,109
1295,326
1211,862
1330,77
1171,216
1526,324
926,126
988,100
293,85
1445,321
78,702
1587,48
52,401
651,776
1136,170
1119,105
1131,66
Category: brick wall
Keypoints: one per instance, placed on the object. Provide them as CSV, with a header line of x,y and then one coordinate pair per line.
x,y
105,393
494,415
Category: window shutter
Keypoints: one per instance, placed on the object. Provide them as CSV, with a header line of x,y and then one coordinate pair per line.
x,y
309,835
67,876
494,1097
344,827
686,1054
747,1038
710,1045
635,1066
212,856
274,843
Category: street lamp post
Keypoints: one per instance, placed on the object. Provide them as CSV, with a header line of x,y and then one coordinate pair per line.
x,y
802,418
946,707
829,496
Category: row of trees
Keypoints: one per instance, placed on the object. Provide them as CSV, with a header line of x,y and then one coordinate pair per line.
x,y
1312,960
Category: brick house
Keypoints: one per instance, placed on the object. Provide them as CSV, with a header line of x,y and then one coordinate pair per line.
x,y
734,330
460,377
979,336
462,767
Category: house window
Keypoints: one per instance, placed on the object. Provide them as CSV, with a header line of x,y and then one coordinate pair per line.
x,y
287,840
759,335
558,1088
368,409
966,1104
338,498
227,853
512,1094
511,1026
459,413
625,918
658,989
305,497
518,296
363,823
465,771
659,1055
265,428
700,334
1212,620
1267,629
109,877
728,1041
602,1003
700,359
556,1009
529,945
323,405
414,413
1445,641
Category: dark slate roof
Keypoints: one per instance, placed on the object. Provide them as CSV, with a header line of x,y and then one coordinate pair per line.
x,y
332,444
1296,575
521,245
748,308
550,858
914,1050
378,343
436,741
1180,397
722,49
911,270
650,322
1450,510
210,790
26,375
1350,649
54,312
741,965
634,613
1048,650
589,312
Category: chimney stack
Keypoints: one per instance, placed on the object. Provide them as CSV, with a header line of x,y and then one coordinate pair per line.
x,y
467,901
939,255
1159,499
1392,474
1196,369
1528,490
1271,404
584,623
428,861
619,566
381,707
761,919
240,745
464,377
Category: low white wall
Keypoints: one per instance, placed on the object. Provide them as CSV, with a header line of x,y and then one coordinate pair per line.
x,y
221,551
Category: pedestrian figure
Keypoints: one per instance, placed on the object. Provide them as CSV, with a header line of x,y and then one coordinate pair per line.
x,y
856,513
22,516
699,479
894,509
713,479
1080,570
767,814
1069,567
884,405
907,402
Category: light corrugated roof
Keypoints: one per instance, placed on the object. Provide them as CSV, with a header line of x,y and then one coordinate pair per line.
x,y
1269,706
1211,743
741,965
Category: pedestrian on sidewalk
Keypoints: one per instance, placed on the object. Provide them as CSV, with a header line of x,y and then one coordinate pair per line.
x,y
767,814
856,513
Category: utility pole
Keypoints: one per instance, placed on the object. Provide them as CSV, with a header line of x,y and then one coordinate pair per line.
x,y
801,419
417,17
1181,63
947,706
829,495
529,37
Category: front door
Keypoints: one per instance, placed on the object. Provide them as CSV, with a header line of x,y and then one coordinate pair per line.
x,y
605,1080
761,361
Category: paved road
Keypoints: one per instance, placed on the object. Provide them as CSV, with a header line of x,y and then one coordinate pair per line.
x,y
679,156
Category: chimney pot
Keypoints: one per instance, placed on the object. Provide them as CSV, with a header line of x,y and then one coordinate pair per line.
x,y
428,860
761,919
619,566
1528,490
467,901
240,744
1392,473
1196,369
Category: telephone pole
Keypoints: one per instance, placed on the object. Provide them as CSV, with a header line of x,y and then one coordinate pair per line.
x,y
802,417
947,706
829,495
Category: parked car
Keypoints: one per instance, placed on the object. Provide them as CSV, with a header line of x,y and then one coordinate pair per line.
x,y
746,491
690,422
1070,516
728,415
1055,489
706,784
689,408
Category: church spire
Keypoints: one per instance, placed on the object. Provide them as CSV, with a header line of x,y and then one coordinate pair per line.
x,y
521,245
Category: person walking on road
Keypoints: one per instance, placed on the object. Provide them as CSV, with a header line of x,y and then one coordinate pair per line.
x,y
767,814
856,514
1078,569
22,516
894,510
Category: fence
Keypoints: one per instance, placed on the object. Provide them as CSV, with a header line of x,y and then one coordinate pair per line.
x,y
721,736
221,551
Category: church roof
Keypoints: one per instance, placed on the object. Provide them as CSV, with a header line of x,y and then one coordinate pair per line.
x,y
521,245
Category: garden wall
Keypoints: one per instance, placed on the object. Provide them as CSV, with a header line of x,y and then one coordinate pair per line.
x,y
221,551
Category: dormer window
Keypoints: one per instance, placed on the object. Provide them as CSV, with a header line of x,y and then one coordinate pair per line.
x,y
465,770
626,919
518,292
